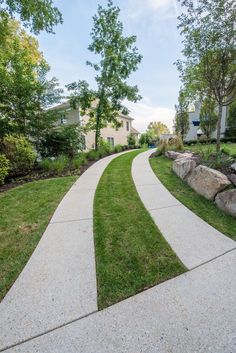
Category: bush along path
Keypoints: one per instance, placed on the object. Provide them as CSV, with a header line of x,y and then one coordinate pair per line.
x,y
131,253
194,241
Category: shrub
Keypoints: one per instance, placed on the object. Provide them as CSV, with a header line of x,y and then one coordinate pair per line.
x,y
79,160
68,141
55,166
93,155
104,148
19,151
4,168
118,148
131,140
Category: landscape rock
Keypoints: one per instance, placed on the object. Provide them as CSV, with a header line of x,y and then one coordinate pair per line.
x,y
174,155
232,178
207,182
226,201
183,167
233,166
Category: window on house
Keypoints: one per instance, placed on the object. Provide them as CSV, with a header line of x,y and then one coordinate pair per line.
x,y
63,119
110,140
127,125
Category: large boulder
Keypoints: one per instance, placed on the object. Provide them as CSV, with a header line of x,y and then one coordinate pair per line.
x,y
207,182
226,201
174,155
183,167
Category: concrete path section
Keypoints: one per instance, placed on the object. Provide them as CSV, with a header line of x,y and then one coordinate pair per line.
x,y
58,284
192,313
193,240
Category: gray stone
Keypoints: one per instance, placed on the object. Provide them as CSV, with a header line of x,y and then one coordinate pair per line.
x,y
194,312
183,167
185,155
233,166
172,154
232,178
226,201
193,240
207,182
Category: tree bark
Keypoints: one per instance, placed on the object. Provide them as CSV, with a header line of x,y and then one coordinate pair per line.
x,y
97,132
219,128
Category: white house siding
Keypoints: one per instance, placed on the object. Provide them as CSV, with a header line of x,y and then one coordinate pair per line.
x,y
119,136
195,117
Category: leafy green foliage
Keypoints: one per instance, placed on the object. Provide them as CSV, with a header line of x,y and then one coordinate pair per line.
x,y
131,140
38,15
181,121
55,166
25,92
20,153
118,148
118,59
147,138
4,168
209,37
157,128
93,155
68,141
208,116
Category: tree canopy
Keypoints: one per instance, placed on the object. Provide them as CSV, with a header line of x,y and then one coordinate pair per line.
x,y
25,92
181,121
158,128
119,57
38,15
208,28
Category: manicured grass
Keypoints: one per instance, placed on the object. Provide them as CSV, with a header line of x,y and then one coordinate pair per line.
x,y
229,147
198,204
25,213
131,254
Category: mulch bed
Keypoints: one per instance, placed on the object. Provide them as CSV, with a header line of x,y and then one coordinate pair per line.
x,y
40,175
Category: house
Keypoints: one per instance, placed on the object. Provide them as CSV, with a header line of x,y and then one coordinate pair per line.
x,y
114,136
194,123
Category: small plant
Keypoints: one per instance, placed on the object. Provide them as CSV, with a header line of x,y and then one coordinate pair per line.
x,y
55,166
19,151
4,168
118,149
79,160
93,155
131,140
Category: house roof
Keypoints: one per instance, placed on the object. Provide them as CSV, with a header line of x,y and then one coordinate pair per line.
x,y
134,131
67,105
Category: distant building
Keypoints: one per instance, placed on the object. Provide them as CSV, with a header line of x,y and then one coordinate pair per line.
x,y
112,135
194,124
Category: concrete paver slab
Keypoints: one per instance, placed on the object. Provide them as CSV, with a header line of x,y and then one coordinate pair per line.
x,y
193,240
194,312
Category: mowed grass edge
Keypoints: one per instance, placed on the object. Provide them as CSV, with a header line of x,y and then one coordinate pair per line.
x,y
24,215
202,207
131,253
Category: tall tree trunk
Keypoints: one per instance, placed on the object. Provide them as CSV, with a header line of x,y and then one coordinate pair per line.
x,y
97,132
219,128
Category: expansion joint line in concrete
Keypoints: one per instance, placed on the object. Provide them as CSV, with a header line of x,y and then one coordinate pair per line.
x,y
96,311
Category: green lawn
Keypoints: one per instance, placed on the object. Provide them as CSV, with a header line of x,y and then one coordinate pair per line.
x,y
229,147
198,204
25,213
131,254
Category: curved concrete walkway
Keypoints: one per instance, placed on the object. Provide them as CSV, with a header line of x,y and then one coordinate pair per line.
x,y
194,241
58,284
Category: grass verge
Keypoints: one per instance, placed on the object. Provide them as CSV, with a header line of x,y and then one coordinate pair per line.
x,y
131,253
25,213
204,208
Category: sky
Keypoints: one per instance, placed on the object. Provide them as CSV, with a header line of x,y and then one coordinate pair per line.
x,y
154,22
